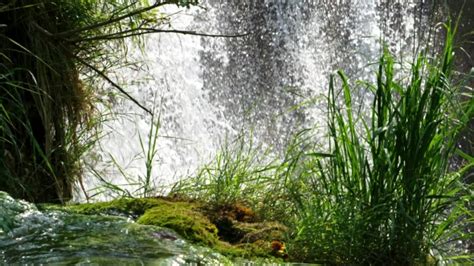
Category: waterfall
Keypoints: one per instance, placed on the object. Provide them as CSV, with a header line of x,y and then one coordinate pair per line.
x,y
208,89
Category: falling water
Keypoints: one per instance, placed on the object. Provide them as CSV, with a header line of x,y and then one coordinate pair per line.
x,y
207,90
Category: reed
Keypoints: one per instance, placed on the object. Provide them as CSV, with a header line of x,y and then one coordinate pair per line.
x,y
140,186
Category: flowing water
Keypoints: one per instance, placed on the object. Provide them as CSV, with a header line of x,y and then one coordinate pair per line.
x,y
207,90
29,237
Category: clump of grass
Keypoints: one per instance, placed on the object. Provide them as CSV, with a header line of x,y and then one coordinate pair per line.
x,y
383,191
43,104
236,174
386,194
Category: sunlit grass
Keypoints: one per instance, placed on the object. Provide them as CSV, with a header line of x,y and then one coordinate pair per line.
x,y
383,191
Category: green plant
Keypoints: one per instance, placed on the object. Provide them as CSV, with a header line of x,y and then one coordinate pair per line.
x,y
151,151
385,193
46,48
141,185
236,174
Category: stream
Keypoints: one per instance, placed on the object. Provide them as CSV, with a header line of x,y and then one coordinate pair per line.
x,y
29,236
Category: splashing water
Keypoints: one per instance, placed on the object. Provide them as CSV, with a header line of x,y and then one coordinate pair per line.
x,y
209,89
29,236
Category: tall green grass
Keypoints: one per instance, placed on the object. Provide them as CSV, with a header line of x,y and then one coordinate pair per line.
x,y
42,101
142,185
236,174
385,194
379,190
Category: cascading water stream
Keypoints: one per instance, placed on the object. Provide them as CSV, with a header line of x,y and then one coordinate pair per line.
x,y
209,89
29,236
266,85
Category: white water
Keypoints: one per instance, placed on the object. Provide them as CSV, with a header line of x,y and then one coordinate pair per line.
x,y
207,89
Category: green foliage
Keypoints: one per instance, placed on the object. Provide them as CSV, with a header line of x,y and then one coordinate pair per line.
x,y
151,151
383,191
43,105
46,113
235,174
187,222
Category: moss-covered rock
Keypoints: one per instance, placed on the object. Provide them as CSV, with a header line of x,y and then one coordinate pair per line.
x,y
262,239
248,250
123,206
184,219
267,231
233,231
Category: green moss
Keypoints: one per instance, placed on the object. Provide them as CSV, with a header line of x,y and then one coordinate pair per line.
x,y
124,206
184,219
267,231
190,221
247,250
256,240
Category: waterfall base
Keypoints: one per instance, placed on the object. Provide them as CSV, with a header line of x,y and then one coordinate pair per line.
x,y
233,231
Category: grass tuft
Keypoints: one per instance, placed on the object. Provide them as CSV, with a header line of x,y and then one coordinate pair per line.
x,y
383,191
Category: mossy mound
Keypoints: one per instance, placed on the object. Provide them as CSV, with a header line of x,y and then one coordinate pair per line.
x,y
123,206
182,218
267,231
233,230
243,234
